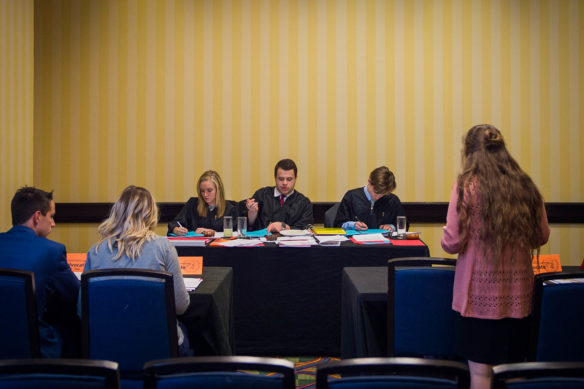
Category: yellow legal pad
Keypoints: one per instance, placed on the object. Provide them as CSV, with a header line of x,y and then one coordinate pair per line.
x,y
328,231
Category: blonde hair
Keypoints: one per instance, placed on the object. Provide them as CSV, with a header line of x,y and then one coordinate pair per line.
x,y
131,222
202,208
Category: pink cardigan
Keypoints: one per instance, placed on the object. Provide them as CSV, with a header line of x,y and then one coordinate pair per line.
x,y
480,289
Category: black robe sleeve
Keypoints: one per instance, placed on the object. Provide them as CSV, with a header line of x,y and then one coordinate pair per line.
x,y
186,217
354,207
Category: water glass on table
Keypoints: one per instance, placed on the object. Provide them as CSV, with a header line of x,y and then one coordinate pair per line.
x,y
242,226
401,227
227,226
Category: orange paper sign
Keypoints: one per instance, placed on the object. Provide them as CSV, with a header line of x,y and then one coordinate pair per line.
x,y
547,264
191,266
76,261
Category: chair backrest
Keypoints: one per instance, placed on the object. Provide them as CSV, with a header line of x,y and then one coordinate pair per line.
x,y
539,375
220,372
330,214
19,334
420,320
392,373
128,316
558,318
59,374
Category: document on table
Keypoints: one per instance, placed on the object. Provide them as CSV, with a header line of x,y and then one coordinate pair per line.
x,y
191,283
242,243
368,238
305,241
331,240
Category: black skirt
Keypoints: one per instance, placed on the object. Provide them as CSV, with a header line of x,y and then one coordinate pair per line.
x,y
493,342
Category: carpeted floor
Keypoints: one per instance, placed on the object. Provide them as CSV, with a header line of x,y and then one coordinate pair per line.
x,y
306,369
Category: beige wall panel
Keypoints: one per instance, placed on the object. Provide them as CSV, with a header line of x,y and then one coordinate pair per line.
x,y
16,101
155,92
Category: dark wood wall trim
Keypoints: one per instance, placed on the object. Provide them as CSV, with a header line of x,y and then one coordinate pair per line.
x,y
416,212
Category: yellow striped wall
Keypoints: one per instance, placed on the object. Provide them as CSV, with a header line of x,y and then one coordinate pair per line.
x,y
155,92
16,101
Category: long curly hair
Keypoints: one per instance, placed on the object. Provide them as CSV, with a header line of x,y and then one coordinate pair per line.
x,y
131,222
509,202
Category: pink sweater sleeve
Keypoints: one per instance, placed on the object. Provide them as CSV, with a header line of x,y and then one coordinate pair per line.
x,y
450,238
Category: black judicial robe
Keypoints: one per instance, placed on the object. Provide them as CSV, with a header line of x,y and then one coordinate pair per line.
x,y
191,220
355,206
296,211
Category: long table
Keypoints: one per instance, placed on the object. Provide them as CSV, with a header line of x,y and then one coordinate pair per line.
x,y
209,317
287,301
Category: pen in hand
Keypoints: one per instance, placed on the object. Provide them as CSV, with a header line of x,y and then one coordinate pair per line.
x,y
359,225
180,226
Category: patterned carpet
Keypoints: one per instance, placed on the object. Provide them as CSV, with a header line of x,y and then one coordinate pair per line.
x,y
306,369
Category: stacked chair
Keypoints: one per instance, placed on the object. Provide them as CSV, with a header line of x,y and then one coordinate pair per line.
x,y
58,374
420,320
220,372
19,335
539,375
128,316
390,373
558,318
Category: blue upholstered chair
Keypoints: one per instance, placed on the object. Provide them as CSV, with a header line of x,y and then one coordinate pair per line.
x,y
558,318
420,320
539,375
19,335
128,316
58,374
220,372
389,373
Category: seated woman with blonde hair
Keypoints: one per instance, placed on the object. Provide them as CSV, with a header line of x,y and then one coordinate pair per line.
x,y
127,240
204,215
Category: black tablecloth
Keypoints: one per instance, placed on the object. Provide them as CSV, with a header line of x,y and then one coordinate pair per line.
x,y
364,312
209,317
287,301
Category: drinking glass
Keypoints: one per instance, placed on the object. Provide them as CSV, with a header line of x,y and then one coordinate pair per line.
x,y
227,226
242,226
401,225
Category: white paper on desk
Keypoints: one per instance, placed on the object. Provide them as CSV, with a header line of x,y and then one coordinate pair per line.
x,y
331,240
306,242
564,281
370,238
289,238
241,243
191,283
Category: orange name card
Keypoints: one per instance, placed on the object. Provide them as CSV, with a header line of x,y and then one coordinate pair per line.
x,y
76,261
547,264
191,266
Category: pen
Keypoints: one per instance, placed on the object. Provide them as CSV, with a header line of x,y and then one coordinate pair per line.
x,y
180,225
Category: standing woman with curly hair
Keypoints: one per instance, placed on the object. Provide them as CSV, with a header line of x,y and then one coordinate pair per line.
x,y
496,221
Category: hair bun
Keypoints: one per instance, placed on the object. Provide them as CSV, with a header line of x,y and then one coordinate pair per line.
x,y
493,139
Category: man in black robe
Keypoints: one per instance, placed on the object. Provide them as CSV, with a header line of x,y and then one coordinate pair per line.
x,y
279,207
371,206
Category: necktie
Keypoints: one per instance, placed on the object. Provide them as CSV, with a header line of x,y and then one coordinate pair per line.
x,y
281,200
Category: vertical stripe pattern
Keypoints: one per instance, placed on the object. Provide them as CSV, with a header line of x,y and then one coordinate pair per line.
x,y
154,92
